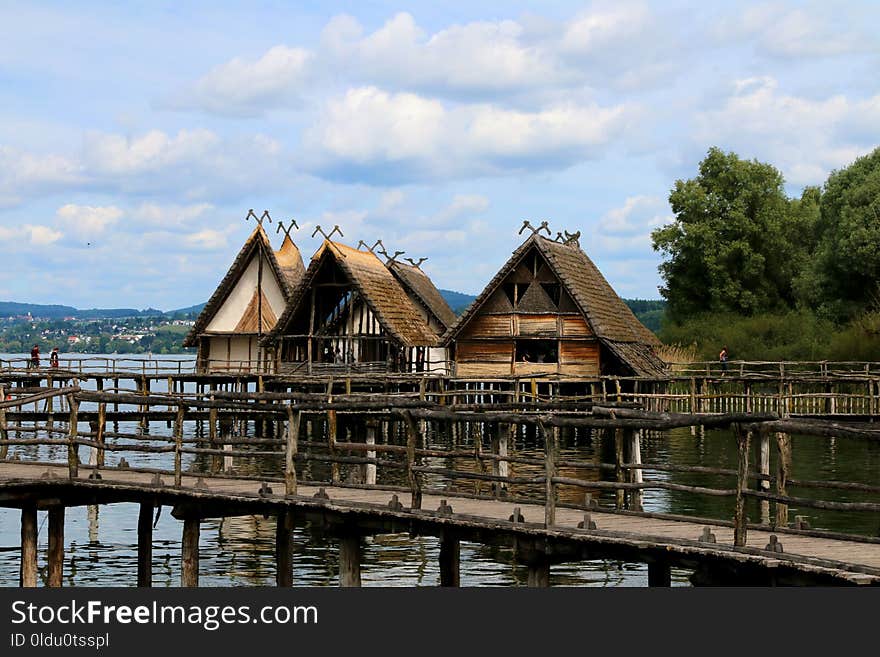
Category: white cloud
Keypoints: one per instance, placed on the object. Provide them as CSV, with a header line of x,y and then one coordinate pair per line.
x,y
806,138
370,132
13,237
169,216
22,173
155,150
87,220
639,214
247,88
207,239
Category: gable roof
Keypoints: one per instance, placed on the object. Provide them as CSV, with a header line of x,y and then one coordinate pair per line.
x,y
382,292
285,270
419,284
610,318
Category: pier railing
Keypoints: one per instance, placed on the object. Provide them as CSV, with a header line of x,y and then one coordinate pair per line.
x,y
425,443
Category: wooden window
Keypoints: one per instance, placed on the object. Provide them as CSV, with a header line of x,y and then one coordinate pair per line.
x,y
537,351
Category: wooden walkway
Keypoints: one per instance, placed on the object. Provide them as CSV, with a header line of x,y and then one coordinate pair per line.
x,y
366,510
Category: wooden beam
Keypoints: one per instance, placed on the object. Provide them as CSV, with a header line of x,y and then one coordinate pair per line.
x,y
539,573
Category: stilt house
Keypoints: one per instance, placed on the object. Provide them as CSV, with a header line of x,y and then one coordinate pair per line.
x,y
246,305
549,311
352,313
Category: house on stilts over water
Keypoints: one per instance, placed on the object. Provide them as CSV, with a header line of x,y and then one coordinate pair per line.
x,y
246,305
354,313
550,312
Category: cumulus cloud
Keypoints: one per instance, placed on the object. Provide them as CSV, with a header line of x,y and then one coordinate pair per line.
x,y
31,235
87,220
806,138
638,215
241,87
170,216
22,173
403,136
116,154
207,239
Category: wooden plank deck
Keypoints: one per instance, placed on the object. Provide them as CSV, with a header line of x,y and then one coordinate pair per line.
x,y
859,561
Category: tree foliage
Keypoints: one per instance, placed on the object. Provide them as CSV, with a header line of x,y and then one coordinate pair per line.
x,y
737,242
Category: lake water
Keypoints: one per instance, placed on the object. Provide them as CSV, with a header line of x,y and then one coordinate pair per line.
x,y
101,542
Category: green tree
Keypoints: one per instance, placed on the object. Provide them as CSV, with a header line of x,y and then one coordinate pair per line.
x,y
737,240
844,280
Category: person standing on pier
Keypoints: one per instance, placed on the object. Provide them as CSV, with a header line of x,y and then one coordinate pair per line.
x,y
53,357
723,357
35,356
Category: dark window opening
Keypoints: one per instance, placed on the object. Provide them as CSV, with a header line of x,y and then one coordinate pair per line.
x,y
510,291
553,291
537,351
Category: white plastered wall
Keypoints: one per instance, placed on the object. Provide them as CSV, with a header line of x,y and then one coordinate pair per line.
x,y
227,318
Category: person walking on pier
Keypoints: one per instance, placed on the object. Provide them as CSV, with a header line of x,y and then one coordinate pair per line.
x,y
35,356
723,356
53,357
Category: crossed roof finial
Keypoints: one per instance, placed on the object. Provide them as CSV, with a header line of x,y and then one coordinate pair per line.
x,y
414,263
390,258
287,230
259,219
326,236
371,249
571,239
527,224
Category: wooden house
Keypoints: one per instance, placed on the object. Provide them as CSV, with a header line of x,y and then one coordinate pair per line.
x,y
352,313
246,305
549,311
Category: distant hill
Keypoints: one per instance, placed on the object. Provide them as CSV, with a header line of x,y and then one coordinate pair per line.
x,y
648,311
41,311
458,301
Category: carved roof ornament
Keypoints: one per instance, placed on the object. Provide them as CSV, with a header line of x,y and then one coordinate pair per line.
x,y
329,235
414,263
527,224
290,226
265,216
372,249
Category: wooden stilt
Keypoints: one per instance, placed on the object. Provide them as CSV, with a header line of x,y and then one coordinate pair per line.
x,y
189,572
539,573
284,549
350,561
450,556
55,563
370,468
145,545
659,574
28,572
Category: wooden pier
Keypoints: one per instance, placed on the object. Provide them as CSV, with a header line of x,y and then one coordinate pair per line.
x,y
360,463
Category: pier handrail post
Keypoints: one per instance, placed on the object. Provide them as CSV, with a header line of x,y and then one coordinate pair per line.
x,y
743,438
178,444
412,476
291,449
72,451
550,471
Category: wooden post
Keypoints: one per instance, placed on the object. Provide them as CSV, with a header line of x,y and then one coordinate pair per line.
x,y
189,572
659,574
55,566
145,408
783,473
28,573
412,477
764,464
539,573
550,448
693,403
293,420
216,460
178,444
331,443
102,428
636,476
284,549
620,473
742,484
370,468
72,447
350,560
145,545
4,432
450,558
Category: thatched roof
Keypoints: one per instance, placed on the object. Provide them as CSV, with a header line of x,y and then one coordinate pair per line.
x,y
286,265
379,289
610,319
420,285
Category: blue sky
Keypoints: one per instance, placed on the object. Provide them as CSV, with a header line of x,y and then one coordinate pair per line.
x,y
134,137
